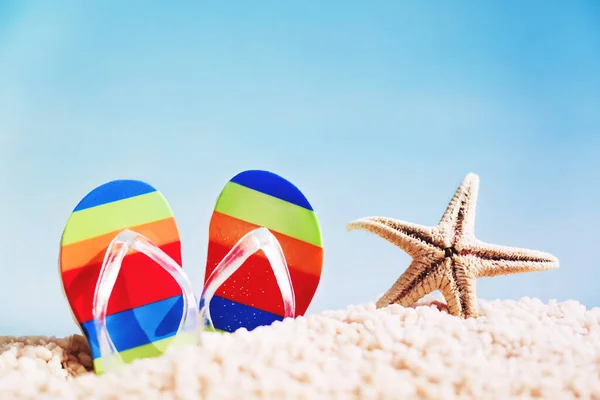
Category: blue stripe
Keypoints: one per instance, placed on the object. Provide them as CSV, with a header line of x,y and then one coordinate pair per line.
x,y
139,326
273,185
229,316
114,191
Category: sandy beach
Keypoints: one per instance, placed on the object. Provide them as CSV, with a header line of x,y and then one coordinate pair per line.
x,y
514,350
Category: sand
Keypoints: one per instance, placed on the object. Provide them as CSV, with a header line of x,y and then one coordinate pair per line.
x,y
514,350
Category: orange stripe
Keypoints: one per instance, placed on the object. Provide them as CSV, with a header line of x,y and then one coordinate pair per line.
x,y
91,251
302,256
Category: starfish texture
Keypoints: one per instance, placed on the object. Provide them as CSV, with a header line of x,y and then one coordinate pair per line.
x,y
447,257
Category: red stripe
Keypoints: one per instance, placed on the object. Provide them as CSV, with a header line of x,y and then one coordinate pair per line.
x,y
254,284
141,281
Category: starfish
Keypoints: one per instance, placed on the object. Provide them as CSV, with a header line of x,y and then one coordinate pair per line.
x,y
447,257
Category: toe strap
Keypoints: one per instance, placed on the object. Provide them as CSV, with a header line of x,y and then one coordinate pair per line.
x,y
115,253
250,243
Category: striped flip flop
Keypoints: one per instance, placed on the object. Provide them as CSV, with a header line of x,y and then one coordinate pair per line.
x,y
251,296
147,299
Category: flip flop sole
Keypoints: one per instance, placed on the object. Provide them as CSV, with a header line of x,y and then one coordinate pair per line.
x,y
146,304
251,297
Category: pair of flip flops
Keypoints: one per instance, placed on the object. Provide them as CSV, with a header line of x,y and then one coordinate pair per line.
x,y
120,263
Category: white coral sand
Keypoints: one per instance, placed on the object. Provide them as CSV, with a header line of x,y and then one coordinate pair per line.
x,y
515,349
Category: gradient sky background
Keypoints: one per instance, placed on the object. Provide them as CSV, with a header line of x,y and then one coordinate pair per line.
x,y
370,108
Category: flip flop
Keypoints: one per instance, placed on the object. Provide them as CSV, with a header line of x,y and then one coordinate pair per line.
x,y
251,296
147,306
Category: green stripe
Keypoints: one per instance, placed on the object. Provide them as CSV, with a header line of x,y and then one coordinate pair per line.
x,y
214,330
154,349
100,220
275,214
149,350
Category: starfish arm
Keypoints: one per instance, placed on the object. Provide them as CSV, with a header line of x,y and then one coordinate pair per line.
x,y
412,238
494,260
458,287
419,279
458,221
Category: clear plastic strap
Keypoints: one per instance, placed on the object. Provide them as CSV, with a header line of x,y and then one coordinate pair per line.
x,y
250,243
116,252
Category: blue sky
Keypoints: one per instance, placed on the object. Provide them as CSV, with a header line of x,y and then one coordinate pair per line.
x,y
371,109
